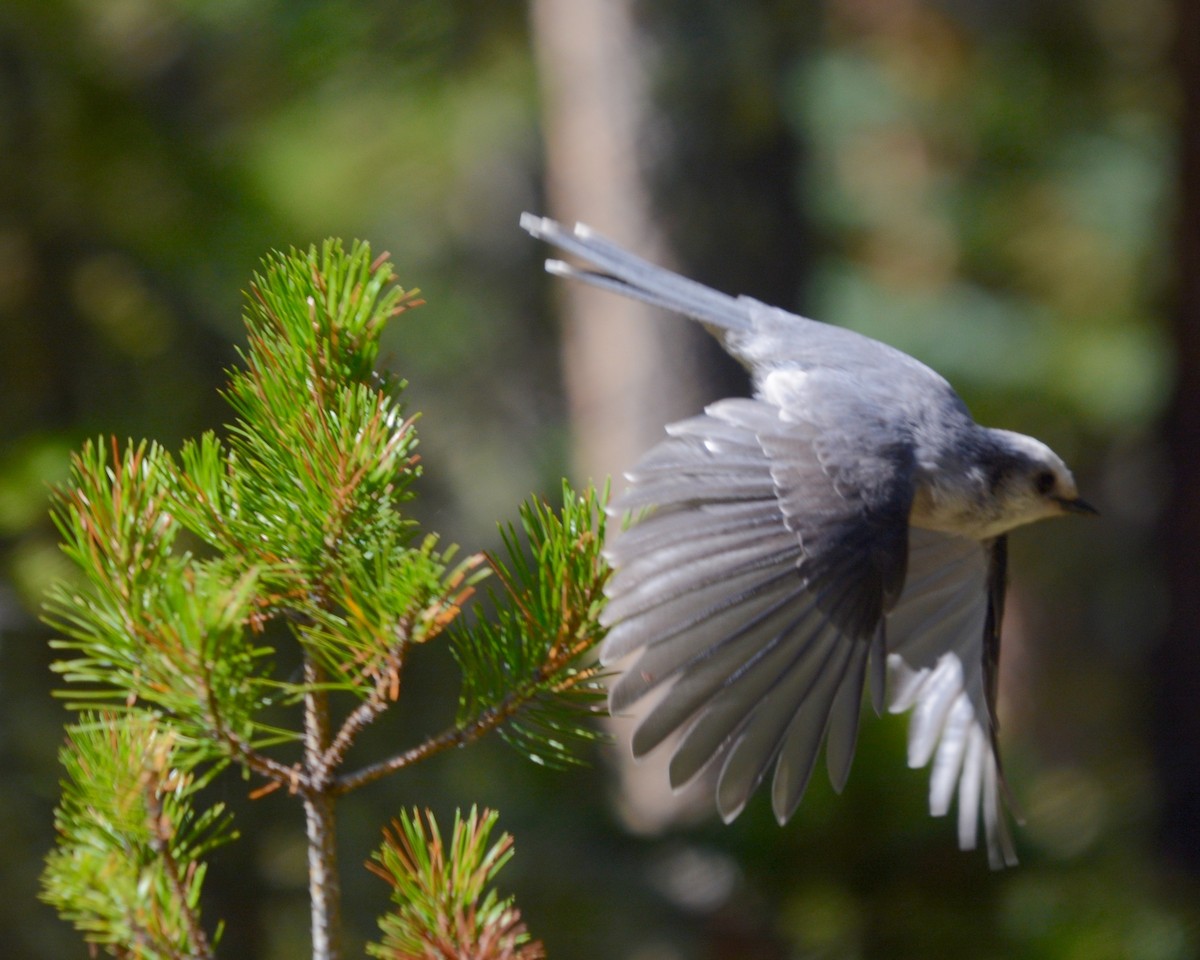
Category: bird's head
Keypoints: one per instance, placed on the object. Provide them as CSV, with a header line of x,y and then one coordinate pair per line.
x,y
1028,481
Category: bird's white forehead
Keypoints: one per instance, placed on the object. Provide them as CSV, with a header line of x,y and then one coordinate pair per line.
x,y
1039,453
1033,449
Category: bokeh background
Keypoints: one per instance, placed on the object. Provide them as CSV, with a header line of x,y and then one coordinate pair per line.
x,y
1008,190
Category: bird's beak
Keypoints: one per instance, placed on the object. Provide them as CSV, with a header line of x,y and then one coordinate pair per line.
x,y
1078,505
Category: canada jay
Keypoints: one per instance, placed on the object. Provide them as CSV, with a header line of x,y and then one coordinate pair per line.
x,y
847,522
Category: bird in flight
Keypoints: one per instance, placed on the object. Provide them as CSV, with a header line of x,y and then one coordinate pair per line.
x,y
844,529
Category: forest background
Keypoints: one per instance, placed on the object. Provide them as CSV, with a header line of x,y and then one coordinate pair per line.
x,y
1009,191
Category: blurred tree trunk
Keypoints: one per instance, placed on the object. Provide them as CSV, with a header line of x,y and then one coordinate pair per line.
x,y
1177,686
628,368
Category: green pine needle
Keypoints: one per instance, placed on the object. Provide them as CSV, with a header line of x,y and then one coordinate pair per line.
x,y
152,626
532,661
444,908
129,867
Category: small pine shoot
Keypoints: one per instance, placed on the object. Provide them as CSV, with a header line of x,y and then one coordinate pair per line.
x,y
128,869
443,905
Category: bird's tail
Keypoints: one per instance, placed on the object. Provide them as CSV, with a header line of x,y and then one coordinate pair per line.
x,y
622,272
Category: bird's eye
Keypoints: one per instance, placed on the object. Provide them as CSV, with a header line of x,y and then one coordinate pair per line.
x,y
1043,482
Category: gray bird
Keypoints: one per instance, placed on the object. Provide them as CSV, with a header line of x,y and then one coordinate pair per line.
x,y
844,528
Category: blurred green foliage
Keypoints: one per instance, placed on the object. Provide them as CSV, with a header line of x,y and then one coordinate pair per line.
x,y
987,185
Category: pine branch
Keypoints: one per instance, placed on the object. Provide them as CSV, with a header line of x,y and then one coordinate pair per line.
x,y
324,887
278,774
386,692
529,661
456,736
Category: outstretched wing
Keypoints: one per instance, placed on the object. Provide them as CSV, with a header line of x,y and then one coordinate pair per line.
x,y
944,650
756,589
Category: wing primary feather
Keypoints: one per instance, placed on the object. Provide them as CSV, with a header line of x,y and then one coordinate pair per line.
x,y
948,761
842,736
802,741
937,696
765,720
740,695
682,613
712,673
686,491
878,664
1001,851
651,580
969,785
666,529
705,545
711,645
